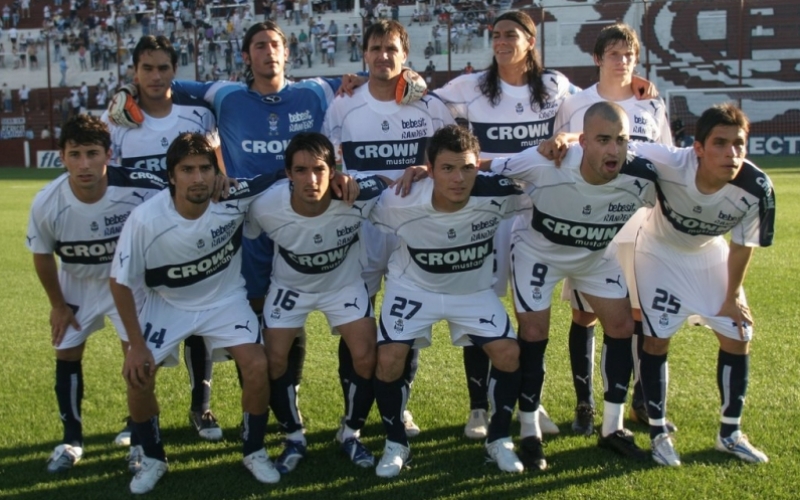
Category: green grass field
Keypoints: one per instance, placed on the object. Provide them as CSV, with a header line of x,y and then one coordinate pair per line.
x,y
446,465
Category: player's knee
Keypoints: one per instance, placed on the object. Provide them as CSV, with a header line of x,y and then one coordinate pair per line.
x,y
732,346
584,318
391,362
276,365
531,331
504,354
619,326
364,365
655,346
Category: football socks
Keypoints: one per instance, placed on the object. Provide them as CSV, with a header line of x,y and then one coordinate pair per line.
x,y
198,363
581,357
503,394
532,370
654,371
253,429
69,394
732,377
476,368
149,434
390,397
283,401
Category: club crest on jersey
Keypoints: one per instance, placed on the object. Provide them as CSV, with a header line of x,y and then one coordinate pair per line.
x,y
318,239
164,142
276,313
663,320
697,209
385,126
519,108
536,294
399,325
94,226
272,120
587,210
201,243
451,234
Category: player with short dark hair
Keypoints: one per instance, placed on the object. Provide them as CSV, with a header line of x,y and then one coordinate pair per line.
x,y
165,116
685,270
78,217
318,246
186,252
442,269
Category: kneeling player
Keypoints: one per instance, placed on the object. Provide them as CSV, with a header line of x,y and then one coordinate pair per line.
x,y
79,217
316,260
442,270
186,253
685,270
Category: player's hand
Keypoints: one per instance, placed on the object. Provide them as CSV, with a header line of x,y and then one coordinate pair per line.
x,y
350,82
123,109
554,148
345,187
139,366
222,187
61,318
414,173
643,88
738,311
411,87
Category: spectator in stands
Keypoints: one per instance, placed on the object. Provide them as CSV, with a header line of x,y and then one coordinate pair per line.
x,y
26,8
12,35
24,95
333,31
112,82
2,56
330,49
437,39
429,50
82,58
33,57
45,133
468,68
84,94
6,16
75,103
678,132
6,95
430,69
62,66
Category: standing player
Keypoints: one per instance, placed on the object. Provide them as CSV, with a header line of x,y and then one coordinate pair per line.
x,y
186,253
685,270
442,270
79,217
565,239
165,117
509,107
616,54
379,136
318,255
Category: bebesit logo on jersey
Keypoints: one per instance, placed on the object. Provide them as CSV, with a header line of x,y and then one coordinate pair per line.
x,y
452,260
87,252
300,121
321,262
414,129
189,273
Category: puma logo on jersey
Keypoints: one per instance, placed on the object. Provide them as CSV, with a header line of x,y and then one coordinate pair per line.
x,y
656,406
122,259
352,304
489,321
137,195
360,209
609,281
245,326
498,205
654,106
232,205
748,204
639,186
197,114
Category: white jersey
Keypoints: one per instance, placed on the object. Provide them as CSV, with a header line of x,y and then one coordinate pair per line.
x,y
314,254
648,117
192,264
146,146
511,126
446,252
689,220
84,236
573,219
383,137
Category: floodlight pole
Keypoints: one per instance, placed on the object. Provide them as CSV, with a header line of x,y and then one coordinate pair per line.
x,y
49,90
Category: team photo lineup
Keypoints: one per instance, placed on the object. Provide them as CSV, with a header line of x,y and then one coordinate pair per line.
x,y
212,218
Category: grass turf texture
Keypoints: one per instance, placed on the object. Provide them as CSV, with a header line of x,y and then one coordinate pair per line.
x,y
446,465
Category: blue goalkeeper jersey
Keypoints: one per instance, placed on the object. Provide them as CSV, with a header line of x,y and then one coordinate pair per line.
x,y
255,129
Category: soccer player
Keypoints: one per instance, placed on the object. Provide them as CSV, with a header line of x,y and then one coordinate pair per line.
x,y
318,244
565,239
256,122
616,54
442,270
379,136
186,254
155,62
79,217
685,270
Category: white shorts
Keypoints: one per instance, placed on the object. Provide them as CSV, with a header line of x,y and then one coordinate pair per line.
x,y
287,308
165,327
676,286
620,248
377,247
534,281
408,314
91,302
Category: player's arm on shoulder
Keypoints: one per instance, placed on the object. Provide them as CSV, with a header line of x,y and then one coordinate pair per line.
x,y
61,314
555,148
643,88
524,165
414,173
344,187
371,186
